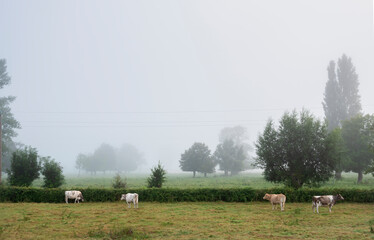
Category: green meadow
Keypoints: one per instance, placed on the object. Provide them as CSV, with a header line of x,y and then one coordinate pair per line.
x,y
185,180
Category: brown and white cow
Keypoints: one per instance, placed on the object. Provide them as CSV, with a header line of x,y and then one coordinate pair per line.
x,y
76,195
275,199
131,197
326,200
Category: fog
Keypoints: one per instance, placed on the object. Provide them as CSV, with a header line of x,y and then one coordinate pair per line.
x,y
161,75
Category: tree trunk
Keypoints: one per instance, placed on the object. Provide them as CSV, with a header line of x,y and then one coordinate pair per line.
x,y
226,173
338,175
194,173
205,174
360,177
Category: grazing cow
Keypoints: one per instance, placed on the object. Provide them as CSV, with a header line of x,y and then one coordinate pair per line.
x,y
77,195
327,200
131,197
276,198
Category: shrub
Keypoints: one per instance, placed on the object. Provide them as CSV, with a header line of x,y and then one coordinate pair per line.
x,y
52,172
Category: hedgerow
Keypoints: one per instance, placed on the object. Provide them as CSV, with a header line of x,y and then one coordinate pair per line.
x,y
56,195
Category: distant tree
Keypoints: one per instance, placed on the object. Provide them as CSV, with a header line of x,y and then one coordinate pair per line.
x,y
230,157
9,123
52,172
157,177
358,137
118,182
104,158
80,162
299,152
197,159
24,167
341,98
239,135
128,158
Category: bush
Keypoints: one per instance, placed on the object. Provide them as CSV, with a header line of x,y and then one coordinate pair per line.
x,y
52,172
24,167
157,177
54,195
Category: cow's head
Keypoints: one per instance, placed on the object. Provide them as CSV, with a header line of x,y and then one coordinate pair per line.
x,y
266,197
339,197
123,197
80,197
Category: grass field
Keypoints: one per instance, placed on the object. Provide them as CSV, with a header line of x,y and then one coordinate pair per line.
x,y
201,220
185,180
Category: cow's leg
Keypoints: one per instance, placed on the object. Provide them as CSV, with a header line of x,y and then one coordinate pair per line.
x,y
272,206
66,200
129,204
317,207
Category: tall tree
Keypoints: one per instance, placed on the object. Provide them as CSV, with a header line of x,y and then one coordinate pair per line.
x,y
341,97
9,123
197,159
230,157
157,177
300,151
358,138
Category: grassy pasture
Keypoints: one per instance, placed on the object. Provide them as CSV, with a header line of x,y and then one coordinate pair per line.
x,y
217,220
185,180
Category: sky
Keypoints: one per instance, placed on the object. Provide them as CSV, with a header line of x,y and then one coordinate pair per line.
x,y
162,75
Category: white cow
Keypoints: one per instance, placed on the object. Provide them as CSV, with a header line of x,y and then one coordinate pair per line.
x,y
77,195
131,197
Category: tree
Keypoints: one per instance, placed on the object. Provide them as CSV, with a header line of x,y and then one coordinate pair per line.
x,y
239,135
80,162
157,177
128,158
24,167
104,158
341,98
230,157
300,151
52,172
197,159
118,182
358,138
9,123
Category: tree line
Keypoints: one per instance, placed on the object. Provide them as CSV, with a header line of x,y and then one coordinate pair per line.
x,y
301,149
231,154
105,158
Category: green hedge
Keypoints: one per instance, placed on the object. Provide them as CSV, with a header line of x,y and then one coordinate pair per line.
x,y
22,194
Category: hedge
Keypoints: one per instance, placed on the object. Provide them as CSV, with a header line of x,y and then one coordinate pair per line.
x,y
56,195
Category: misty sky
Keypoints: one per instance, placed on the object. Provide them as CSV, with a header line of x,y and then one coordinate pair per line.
x,y
162,75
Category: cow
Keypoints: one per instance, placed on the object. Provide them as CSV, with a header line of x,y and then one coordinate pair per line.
x,y
326,200
276,198
131,197
76,195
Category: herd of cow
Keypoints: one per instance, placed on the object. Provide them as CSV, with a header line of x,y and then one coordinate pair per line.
x,y
317,201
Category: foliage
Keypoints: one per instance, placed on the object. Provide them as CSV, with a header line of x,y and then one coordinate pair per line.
x,y
52,172
118,182
56,195
358,138
128,158
230,157
9,123
197,159
299,152
157,177
24,167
